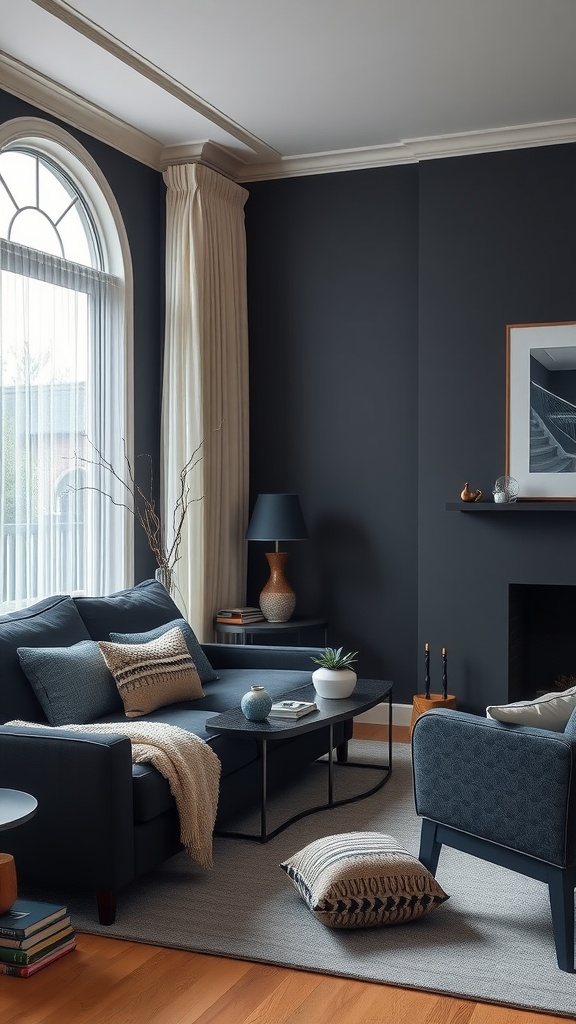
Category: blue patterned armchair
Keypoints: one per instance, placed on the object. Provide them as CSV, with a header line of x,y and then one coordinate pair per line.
x,y
505,794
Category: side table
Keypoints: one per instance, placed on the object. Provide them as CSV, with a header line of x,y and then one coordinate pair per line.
x,y
293,629
15,808
422,703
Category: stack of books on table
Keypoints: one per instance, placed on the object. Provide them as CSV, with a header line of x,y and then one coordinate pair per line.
x,y
239,616
291,708
32,935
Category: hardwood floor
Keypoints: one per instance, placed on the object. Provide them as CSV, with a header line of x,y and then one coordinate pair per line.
x,y
110,981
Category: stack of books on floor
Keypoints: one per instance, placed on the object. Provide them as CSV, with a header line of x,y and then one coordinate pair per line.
x,y
33,935
239,616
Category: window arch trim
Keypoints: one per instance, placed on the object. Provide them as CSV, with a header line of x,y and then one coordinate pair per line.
x,y
56,143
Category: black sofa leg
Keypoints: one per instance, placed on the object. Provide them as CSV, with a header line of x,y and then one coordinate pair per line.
x,y
429,845
106,903
342,752
561,890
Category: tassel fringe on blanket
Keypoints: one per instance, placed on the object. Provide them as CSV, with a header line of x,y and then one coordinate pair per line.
x,y
186,761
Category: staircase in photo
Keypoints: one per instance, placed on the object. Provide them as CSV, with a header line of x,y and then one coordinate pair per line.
x,y
546,454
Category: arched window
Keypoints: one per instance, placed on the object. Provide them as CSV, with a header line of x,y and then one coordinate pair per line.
x,y
65,382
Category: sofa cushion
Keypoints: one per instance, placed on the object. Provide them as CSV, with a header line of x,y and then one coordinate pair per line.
x,y
152,794
232,683
550,711
73,684
152,675
203,666
361,880
136,610
53,622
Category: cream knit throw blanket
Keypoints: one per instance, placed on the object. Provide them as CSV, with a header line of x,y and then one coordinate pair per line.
x,y
186,761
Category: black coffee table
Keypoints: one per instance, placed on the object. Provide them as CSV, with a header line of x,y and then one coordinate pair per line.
x,y
367,693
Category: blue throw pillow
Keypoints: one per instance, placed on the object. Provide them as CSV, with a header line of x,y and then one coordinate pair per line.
x,y
73,684
53,622
203,666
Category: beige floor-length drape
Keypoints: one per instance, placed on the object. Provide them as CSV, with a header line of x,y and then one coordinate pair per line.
x,y
205,387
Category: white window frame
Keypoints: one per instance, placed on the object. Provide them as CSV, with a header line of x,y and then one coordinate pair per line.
x,y
51,140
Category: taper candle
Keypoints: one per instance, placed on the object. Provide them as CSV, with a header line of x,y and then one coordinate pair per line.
x,y
444,673
427,670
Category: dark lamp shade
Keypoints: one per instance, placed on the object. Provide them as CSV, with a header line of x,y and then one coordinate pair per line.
x,y
277,517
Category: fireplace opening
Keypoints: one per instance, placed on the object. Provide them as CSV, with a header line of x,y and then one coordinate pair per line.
x,y
541,639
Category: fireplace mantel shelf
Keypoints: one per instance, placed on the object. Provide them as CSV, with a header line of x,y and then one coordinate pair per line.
x,y
508,508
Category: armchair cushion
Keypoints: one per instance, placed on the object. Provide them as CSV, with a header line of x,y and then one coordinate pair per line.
x,y
203,666
550,711
154,674
73,684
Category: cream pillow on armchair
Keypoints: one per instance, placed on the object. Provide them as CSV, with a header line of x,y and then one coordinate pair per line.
x,y
550,711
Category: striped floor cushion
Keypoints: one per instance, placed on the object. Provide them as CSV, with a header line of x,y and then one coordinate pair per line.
x,y
362,880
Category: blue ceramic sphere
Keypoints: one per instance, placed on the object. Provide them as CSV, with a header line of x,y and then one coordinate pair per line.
x,y
256,704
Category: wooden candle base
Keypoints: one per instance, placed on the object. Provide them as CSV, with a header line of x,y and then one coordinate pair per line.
x,y
421,703
8,883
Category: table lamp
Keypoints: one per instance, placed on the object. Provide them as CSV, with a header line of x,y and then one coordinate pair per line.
x,y
277,517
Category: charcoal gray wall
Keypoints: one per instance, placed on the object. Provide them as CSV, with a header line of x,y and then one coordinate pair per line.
x,y
140,194
333,320
378,302
496,246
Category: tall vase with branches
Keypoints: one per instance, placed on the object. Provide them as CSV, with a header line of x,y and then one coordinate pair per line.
x,y
140,501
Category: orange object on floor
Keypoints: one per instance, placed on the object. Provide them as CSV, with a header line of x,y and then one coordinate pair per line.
x,y
421,703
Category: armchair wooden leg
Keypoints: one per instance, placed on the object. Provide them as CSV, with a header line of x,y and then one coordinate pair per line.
x,y
561,890
429,845
106,902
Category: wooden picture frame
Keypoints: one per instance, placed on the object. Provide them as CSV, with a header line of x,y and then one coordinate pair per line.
x,y
541,409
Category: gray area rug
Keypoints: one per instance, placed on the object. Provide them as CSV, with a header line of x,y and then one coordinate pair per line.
x,y
491,941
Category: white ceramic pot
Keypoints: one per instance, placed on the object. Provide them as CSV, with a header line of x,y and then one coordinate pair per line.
x,y
333,683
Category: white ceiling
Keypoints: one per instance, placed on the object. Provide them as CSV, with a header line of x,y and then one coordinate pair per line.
x,y
267,88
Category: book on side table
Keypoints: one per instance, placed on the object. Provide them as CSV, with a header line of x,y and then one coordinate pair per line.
x,y
291,708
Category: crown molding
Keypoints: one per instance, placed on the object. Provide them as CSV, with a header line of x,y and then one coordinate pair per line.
x,y
408,151
106,41
27,84
42,92
211,154
526,136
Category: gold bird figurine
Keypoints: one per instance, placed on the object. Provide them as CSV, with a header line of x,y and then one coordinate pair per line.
x,y
467,495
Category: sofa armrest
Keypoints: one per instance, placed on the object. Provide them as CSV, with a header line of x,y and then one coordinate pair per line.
x,y
513,785
83,830
261,656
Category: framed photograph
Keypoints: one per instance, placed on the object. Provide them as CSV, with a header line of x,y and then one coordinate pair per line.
x,y
541,409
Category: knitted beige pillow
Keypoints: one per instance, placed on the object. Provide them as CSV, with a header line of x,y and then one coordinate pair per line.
x,y
153,674
361,880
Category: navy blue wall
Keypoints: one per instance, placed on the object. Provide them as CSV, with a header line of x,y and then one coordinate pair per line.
x,y
140,194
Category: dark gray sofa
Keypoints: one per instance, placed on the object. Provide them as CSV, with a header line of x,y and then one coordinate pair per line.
x,y
102,821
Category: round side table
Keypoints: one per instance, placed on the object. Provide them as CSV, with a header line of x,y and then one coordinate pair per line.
x,y
15,808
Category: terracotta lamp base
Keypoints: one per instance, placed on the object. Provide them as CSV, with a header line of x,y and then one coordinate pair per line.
x,y
8,883
277,600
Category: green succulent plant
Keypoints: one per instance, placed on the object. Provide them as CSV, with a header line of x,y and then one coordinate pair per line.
x,y
335,659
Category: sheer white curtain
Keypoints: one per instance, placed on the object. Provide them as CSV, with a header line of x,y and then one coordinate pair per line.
x,y
205,386
62,385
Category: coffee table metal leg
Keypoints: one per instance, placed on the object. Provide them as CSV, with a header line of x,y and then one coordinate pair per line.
x,y
331,766
264,758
